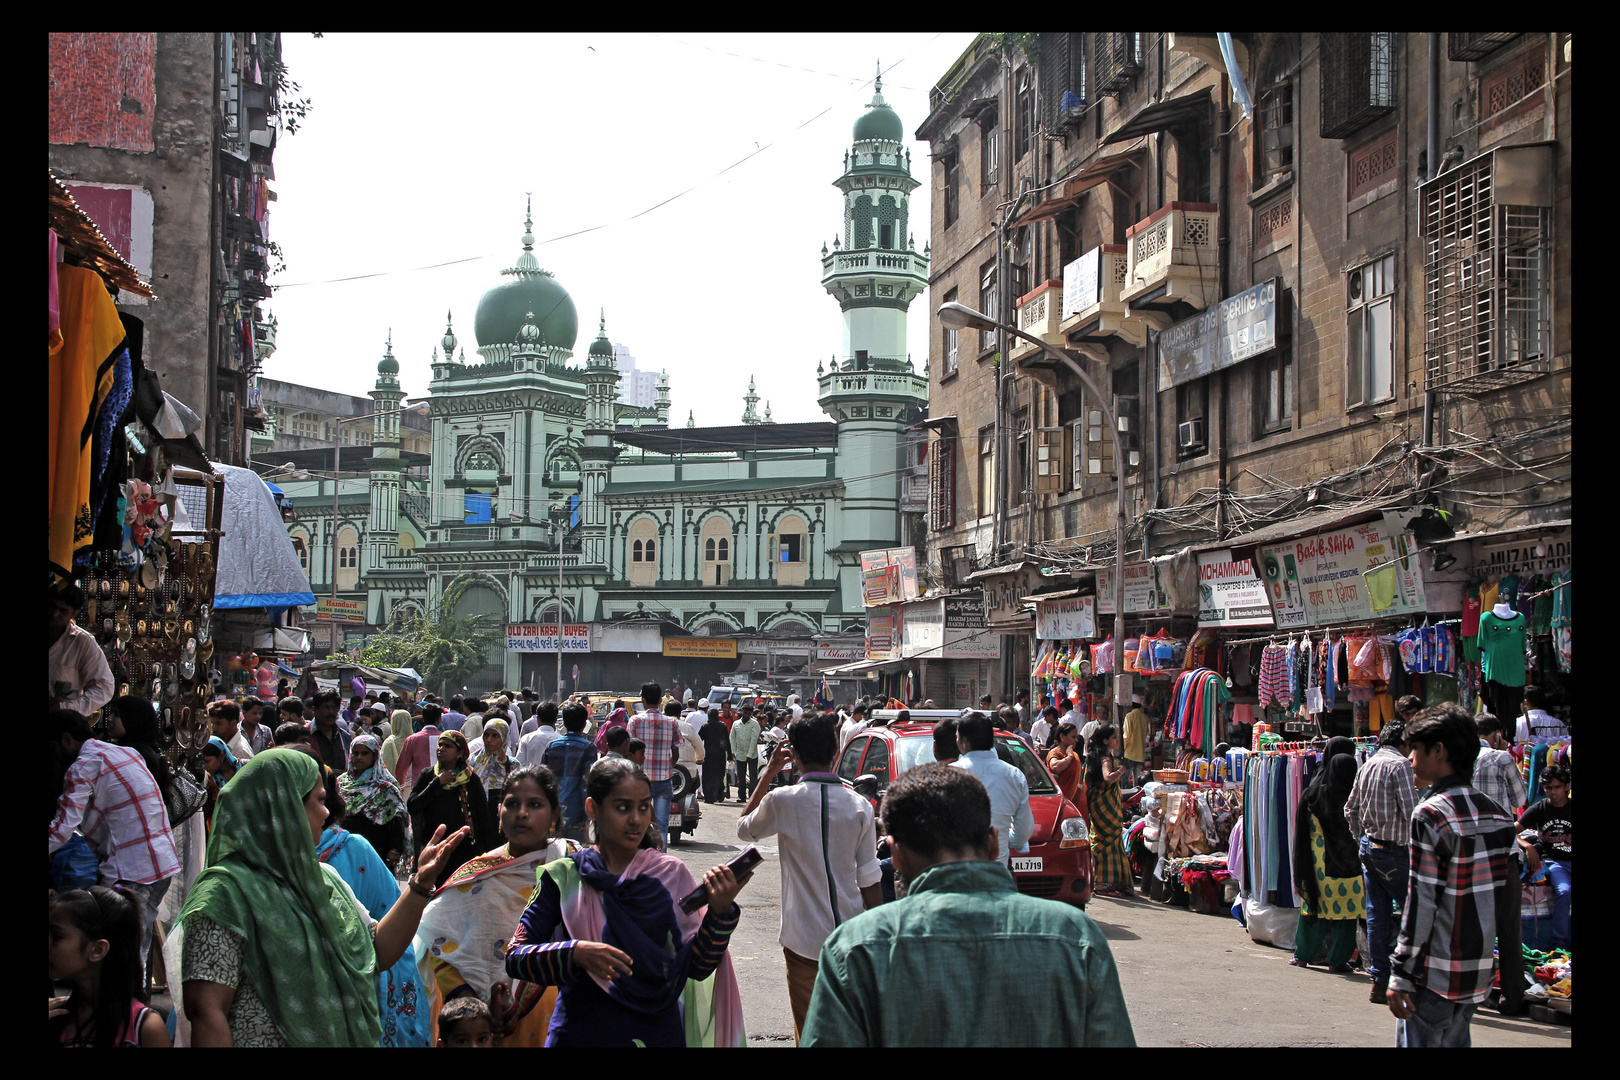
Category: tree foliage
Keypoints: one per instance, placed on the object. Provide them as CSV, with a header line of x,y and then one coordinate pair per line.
x,y
441,645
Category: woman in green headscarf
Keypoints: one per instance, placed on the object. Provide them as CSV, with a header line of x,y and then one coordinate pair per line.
x,y
275,949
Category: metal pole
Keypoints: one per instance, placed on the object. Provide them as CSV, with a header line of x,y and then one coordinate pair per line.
x,y
337,458
559,612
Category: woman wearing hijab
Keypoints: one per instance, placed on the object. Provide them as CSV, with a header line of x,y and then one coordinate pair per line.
x,y
273,949
604,926
400,728
465,929
1327,868
219,766
452,796
493,762
376,807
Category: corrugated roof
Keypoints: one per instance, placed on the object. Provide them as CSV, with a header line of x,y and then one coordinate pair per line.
x,y
1009,568
1304,524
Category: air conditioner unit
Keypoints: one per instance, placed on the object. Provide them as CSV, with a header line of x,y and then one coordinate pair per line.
x,y
1190,433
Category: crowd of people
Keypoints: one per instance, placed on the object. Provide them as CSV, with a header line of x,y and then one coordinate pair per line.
x,y
493,871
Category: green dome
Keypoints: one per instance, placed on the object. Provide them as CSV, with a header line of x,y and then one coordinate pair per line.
x,y
880,122
602,347
388,365
503,310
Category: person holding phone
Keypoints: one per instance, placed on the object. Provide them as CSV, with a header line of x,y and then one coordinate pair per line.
x,y
653,987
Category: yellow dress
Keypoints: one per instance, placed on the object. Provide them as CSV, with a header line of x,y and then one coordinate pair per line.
x,y
1342,897
79,375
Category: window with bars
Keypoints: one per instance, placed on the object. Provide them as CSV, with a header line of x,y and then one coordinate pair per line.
x,y
1370,348
1192,404
952,200
942,486
1117,59
1024,114
1274,120
1063,78
1018,477
1475,46
988,300
952,340
1487,308
987,471
1358,81
989,148
1276,391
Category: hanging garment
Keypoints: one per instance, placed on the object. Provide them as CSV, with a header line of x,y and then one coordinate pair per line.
x,y
1273,675
1502,644
1470,612
79,377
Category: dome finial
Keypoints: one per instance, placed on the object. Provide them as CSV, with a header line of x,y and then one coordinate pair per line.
x,y
527,261
528,333
877,84
449,339
388,365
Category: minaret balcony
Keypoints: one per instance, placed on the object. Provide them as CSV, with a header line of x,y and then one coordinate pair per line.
x,y
864,262
1038,316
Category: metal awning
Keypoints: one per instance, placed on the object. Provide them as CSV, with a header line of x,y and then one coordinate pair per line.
x,y
1064,595
937,423
859,667
1305,524
1016,626
1177,112
1489,534
993,571
1075,187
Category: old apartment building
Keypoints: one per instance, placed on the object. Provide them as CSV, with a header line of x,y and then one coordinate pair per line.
x,y
1322,276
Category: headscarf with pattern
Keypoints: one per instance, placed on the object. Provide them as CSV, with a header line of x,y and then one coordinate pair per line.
x,y
371,792
461,775
493,769
307,951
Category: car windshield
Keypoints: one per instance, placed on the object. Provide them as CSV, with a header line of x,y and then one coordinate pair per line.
x,y
913,750
1011,749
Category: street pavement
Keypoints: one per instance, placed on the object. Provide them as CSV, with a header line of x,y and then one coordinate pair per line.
x,y
1190,980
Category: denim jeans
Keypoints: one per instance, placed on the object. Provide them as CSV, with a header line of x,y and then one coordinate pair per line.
x,y
1385,877
150,896
1435,1021
662,792
1563,877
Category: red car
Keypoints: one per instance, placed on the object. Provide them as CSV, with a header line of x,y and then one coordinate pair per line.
x,y
1058,864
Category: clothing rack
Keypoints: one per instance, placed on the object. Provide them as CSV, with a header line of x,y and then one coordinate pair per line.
x,y
1330,630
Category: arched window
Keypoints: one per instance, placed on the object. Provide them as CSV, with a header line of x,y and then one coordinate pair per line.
x,y
348,558
716,568
790,556
708,549
725,550
643,570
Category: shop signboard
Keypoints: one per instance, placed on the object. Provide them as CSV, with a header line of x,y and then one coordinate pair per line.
x,y
966,635
1080,282
1324,579
888,576
1146,589
839,654
1237,328
773,647
884,627
1533,554
320,635
537,637
1229,593
340,611
923,630
1066,619
701,648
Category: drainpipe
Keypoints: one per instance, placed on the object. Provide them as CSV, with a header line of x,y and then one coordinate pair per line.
x,y
1434,164
1224,242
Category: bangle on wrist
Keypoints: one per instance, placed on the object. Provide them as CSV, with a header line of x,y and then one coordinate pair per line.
x,y
416,886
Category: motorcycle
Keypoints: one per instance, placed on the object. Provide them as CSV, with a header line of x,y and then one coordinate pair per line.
x,y
684,801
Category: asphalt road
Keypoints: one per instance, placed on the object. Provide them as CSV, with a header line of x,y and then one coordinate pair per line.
x,y
1190,980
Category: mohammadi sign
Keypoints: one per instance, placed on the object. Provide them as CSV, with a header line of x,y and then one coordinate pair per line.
x,y
888,576
701,648
1229,593
1232,331
533,637
1344,575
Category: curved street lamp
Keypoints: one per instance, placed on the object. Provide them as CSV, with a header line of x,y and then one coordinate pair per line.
x,y
956,316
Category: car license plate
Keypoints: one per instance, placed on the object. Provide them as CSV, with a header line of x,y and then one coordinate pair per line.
x,y
1026,865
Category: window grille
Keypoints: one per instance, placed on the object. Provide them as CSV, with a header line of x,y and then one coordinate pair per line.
x,y
1486,307
942,488
1475,46
1358,81
1118,59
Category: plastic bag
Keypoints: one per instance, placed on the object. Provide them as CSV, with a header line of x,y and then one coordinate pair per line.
x,y
74,865
1270,925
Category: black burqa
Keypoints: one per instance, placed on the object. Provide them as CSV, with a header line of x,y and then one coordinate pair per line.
x,y
1325,797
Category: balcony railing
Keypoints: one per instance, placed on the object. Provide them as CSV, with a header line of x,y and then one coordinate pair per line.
x,y
870,259
1173,249
1038,315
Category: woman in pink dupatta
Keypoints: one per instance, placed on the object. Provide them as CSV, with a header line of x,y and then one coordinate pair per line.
x,y
632,968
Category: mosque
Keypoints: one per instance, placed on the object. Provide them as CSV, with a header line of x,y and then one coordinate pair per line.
x,y
536,476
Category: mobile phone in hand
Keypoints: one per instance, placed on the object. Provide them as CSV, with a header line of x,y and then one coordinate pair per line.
x,y
740,864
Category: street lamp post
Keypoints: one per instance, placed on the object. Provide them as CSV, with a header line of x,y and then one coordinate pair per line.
x,y
961,317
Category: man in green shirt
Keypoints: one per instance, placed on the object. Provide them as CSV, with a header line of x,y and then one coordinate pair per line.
x,y
745,749
962,944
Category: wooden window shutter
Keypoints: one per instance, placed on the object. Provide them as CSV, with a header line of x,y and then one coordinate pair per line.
x,y
942,487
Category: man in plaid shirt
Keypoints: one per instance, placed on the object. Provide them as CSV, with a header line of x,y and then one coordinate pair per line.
x,y
659,732
1461,856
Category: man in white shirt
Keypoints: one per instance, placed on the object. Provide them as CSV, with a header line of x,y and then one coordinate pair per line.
x,y
1537,724
856,722
1009,790
1041,729
79,676
532,747
224,717
691,747
828,846
795,707
1073,716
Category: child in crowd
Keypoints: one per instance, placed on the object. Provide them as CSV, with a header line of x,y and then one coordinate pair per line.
x,y
636,751
465,1022
94,946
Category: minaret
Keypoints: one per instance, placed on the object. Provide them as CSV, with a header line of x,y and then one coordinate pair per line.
x,y
386,395
750,414
662,403
767,419
690,422
596,455
874,272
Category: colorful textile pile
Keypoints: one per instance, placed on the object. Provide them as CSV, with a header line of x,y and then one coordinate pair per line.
x,y
1194,707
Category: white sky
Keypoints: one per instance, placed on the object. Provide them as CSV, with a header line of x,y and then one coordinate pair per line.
x,y
419,149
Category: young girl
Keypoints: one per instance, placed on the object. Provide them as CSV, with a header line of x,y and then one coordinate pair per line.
x,y
94,944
